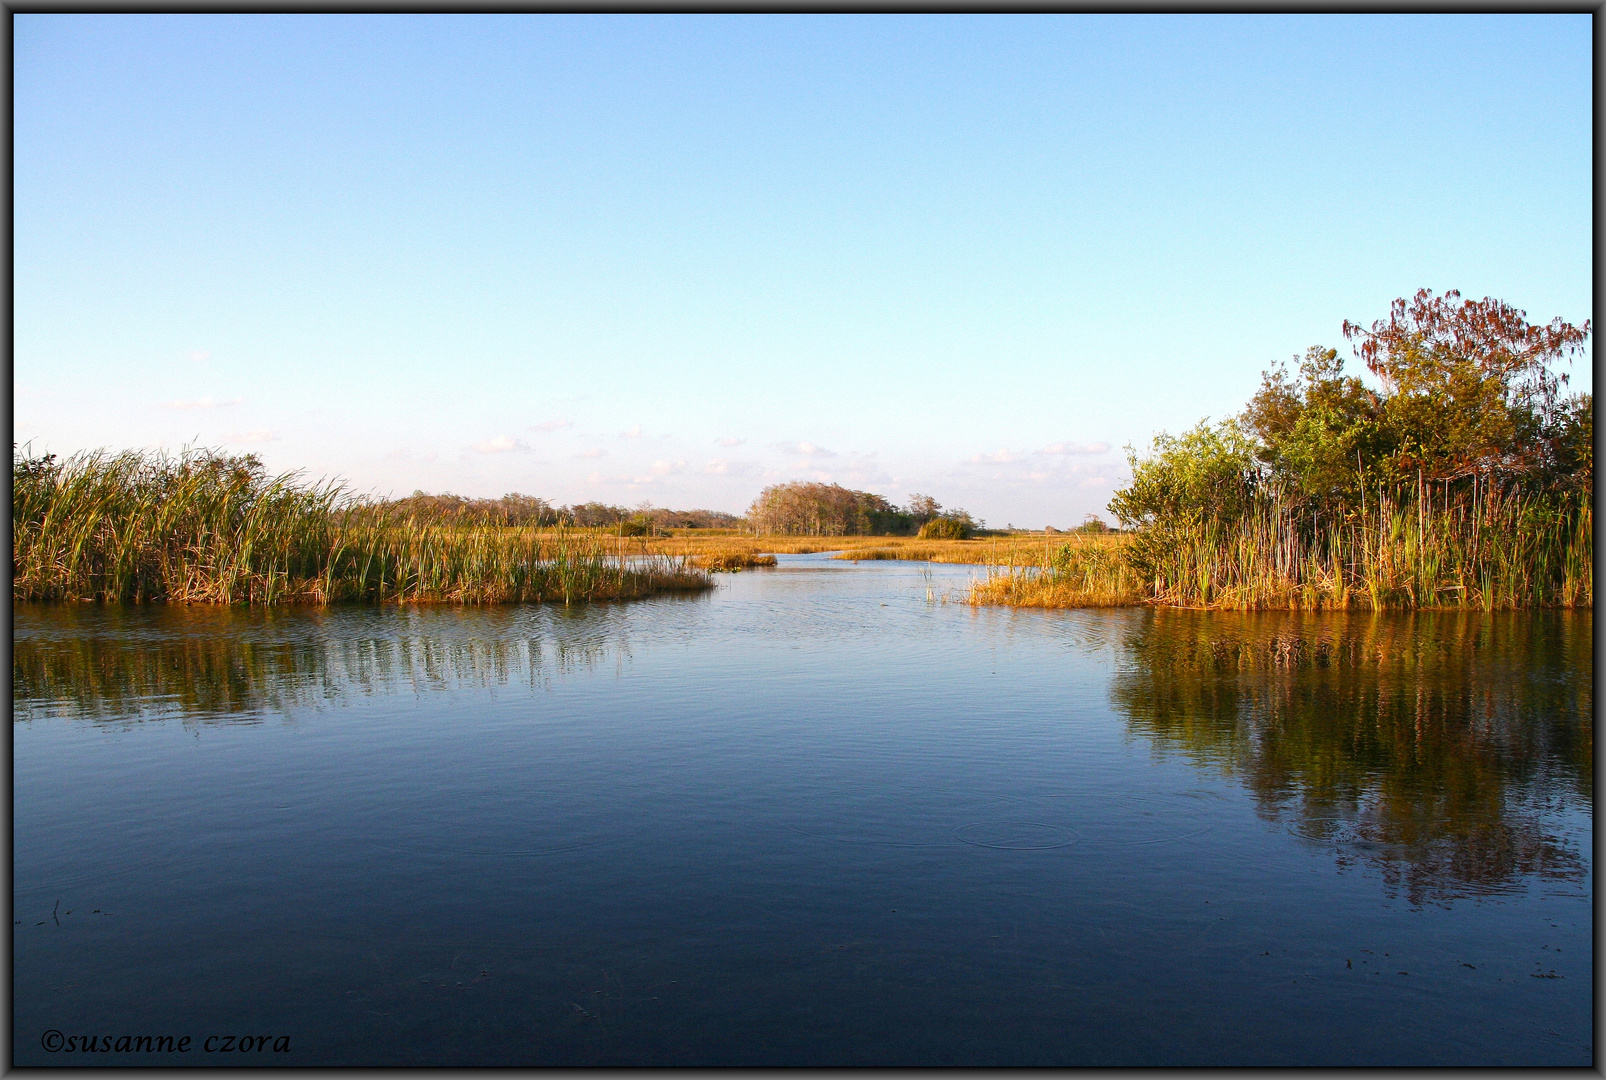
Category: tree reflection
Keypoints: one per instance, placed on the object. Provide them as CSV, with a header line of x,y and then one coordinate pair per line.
x,y
1434,747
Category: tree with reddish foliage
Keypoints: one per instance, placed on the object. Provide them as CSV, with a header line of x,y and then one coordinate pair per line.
x,y
1468,385
1468,389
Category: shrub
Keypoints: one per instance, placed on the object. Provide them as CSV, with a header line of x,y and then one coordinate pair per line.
x,y
948,528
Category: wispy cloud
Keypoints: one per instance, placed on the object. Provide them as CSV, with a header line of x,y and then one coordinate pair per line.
x,y
632,433
731,442
553,425
257,435
502,444
997,457
803,449
594,452
722,467
201,403
1060,449
199,356
656,475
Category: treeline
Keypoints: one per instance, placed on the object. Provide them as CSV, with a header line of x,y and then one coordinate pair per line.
x,y
803,508
517,509
1464,477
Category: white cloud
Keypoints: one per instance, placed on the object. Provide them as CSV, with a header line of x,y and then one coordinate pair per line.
x,y
553,425
258,435
201,403
666,468
633,433
731,442
594,452
804,449
1065,448
997,457
502,444
199,356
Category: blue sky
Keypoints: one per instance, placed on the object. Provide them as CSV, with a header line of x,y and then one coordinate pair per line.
x,y
674,259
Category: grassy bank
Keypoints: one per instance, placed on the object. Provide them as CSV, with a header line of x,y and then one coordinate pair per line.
x,y
202,528
1481,552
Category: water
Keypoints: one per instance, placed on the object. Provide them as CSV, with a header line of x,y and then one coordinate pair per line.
x,y
816,817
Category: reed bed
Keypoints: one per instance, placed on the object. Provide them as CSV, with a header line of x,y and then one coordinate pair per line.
x,y
200,528
1083,572
1487,551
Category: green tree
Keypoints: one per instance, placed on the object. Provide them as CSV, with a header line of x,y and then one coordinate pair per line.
x,y
1209,471
1324,432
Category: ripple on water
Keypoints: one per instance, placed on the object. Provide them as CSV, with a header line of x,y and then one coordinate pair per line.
x,y
1015,835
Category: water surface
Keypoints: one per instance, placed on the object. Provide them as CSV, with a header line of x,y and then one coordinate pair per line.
x,y
816,817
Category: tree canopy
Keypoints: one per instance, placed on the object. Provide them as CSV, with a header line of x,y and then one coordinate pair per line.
x,y
1465,388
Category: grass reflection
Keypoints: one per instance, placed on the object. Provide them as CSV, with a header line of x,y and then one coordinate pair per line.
x,y
1431,747
237,666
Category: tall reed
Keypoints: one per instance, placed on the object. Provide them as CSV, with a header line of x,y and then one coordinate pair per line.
x,y
1489,549
137,526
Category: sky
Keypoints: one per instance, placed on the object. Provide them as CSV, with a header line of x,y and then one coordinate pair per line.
x,y
672,260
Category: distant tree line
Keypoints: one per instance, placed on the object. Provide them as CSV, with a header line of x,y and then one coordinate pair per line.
x,y
804,508
518,509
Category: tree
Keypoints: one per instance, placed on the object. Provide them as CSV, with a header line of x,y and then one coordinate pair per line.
x,y
1209,471
953,524
922,508
810,509
1318,431
1468,385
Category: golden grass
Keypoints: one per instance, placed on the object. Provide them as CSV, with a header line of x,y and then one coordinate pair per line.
x,y
1092,573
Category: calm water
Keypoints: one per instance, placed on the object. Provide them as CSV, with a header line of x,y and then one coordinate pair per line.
x,y
812,818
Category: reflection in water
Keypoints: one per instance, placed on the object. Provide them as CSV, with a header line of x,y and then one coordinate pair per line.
x,y
1435,747
235,667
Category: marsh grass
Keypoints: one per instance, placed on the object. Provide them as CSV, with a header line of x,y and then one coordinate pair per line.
x,y
200,528
1087,571
730,561
1487,551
